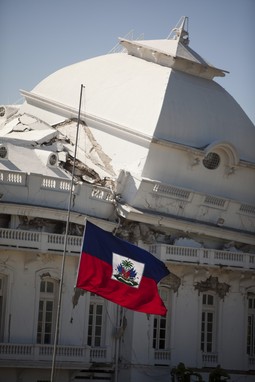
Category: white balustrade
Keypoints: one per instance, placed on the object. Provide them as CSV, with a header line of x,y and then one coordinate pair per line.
x,y
203,256
252,363
49,242
210,359
46,183
31,352
42,241
37,352
13,177
162,357
100,354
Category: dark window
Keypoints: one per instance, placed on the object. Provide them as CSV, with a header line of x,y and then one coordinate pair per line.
x,y
251,327
95,328
2,304
46,312
208,325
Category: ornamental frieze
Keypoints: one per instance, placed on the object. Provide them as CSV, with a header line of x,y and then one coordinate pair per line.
x,y
212,283
172,281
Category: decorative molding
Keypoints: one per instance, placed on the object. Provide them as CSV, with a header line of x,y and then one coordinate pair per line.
x,y
172,281
212,283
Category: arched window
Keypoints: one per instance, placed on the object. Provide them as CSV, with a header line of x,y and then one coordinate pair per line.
x,y
47,311
208,323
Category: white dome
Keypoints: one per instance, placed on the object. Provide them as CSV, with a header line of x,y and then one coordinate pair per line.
x,y
155,100
155,128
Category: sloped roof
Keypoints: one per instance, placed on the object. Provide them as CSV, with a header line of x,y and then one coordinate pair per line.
x,y
173,54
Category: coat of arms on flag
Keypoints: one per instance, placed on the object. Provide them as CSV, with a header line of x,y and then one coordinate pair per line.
x,y
120,271
127,271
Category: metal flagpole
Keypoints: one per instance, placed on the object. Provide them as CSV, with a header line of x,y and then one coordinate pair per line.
x,y
64,251
119,333
117,346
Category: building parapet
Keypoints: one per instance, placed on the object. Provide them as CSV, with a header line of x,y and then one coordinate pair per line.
x,y
185,209
54,191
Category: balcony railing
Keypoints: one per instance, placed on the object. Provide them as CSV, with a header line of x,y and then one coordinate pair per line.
x,y
49,242
100,354
162,357
209,359
41,241
31,352
251,362
37,353
203,256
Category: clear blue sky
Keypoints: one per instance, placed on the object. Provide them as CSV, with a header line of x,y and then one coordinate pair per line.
x,y
39,37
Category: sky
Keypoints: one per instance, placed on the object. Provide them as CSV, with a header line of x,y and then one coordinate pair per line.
x,y
39,37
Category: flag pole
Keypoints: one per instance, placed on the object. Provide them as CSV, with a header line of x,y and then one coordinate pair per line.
x,y
56,336
117,345
120,317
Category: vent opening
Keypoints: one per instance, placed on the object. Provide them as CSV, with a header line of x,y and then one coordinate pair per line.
x,y
53,159
211,161
3,152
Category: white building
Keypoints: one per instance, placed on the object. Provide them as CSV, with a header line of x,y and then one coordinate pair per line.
x,y
166,158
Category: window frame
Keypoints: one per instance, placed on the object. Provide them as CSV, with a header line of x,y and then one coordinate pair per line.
x,y
250,315
46,297
96,302
208,338
162,324
3,303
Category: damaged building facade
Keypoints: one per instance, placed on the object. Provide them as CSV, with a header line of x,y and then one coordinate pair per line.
x,y
166,160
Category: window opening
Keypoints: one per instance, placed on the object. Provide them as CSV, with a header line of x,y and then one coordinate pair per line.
x,y
2,304
3,152
251,327
47,312
161,324
95,327
208,324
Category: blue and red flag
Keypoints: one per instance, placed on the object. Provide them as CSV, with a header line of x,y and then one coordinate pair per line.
x,y
120,271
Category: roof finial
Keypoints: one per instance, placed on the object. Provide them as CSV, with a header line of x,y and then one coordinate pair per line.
x,y
180,31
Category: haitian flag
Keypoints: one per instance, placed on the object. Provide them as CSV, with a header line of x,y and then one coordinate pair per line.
x,y
120,271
